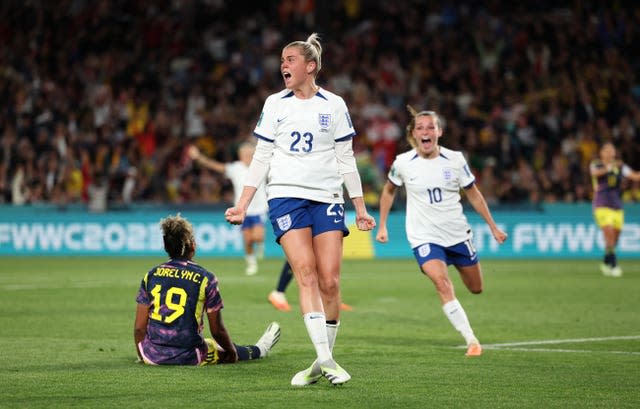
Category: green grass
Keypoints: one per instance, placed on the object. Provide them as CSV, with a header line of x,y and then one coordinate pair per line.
x,y
66,339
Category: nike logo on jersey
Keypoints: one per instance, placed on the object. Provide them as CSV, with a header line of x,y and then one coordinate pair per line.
x,y
281,119
337,220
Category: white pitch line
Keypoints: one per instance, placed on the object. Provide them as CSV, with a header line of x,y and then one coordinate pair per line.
x,y
515,346
576,351
562,341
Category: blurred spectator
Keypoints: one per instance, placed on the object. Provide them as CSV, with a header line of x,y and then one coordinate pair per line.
x,y
19,188
98,191
129,185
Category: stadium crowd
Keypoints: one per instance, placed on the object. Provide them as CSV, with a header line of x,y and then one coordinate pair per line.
x,y
100,99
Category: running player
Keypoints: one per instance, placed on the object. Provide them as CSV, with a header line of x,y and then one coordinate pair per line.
x,y
436,226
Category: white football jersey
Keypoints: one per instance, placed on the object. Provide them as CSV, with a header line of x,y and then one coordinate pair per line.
x,y
434,212
304,133
237,173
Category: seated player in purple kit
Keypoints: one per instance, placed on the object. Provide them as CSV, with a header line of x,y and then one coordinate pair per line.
x,y
172,301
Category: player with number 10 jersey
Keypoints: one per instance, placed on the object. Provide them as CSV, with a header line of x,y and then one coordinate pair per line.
x,y
434,212
437,229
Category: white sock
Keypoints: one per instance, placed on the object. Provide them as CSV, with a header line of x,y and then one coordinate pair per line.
x,y
332,332
315,323
458,318
251,259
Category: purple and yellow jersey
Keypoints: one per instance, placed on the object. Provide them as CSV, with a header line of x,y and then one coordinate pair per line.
x,y
606,188
178,293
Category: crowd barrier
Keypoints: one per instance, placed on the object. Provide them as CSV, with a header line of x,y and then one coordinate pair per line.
x,y
549,231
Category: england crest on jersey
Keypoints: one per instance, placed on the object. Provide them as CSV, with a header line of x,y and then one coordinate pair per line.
x,y
284,222
447,174
324,121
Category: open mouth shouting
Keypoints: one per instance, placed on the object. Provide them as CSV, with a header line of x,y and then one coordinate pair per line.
x,y
426,142
286,75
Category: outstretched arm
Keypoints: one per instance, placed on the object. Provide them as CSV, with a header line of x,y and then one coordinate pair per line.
x,y
480,205
386,201
195,154
634,175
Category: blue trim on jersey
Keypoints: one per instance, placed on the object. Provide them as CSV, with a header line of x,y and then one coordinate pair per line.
x,y
318,94
264,138
415,157
469,185
391,181
290,94
444,156
346,138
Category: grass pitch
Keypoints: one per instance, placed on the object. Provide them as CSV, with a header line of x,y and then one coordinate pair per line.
x,y
557,334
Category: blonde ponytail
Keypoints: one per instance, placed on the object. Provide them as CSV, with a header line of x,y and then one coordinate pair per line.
x,y
311,50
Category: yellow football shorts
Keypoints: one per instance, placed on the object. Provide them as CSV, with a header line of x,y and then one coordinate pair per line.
x,y
605,216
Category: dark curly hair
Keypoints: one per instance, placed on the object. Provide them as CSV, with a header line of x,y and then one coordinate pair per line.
x,y
178,237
